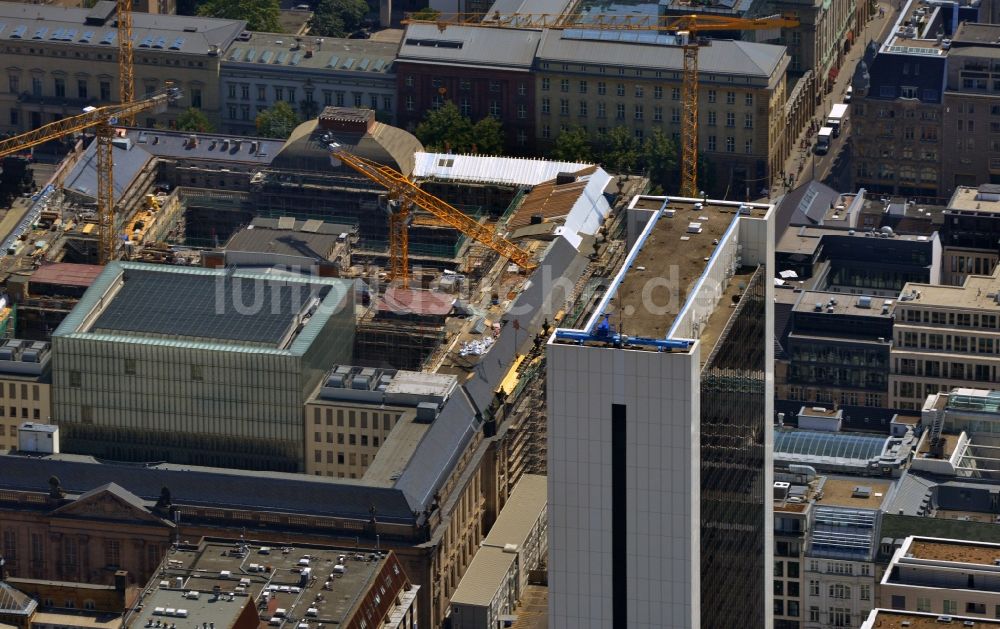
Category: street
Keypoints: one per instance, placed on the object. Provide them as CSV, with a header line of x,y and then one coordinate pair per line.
x,y
834,168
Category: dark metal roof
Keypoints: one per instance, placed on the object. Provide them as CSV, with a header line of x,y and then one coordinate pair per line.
x,y
259,491
163,304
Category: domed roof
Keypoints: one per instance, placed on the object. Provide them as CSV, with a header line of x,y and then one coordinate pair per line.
x,y
356,131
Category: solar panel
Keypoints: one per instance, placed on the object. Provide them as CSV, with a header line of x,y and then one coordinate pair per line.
x,y
364,64
160,43
147,42
266,57
3,25
251,55
178,44
349,63
40,33
58,33
237,55
378,65
157,304
19,32
282,57
109,37
296,58
70,35
334,60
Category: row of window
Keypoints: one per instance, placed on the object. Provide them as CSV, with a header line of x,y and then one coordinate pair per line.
x,y
465,85
354,419
947,342
60,89
846,398
12,412
836,616
638,112
948,607
351,458
351,439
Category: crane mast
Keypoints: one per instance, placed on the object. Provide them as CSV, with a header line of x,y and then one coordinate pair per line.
x,y
126,79
102,120
686,27
408,195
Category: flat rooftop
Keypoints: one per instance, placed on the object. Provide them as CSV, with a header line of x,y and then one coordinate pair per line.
x,y
677,250
955,551
264,309
842,304
154,304
280,51
974,294
66,274
968,198
883,619
842,492
326,595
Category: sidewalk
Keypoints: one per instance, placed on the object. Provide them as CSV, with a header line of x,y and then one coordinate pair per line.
x,y
798,162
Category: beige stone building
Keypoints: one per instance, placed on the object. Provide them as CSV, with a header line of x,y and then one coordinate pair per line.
x,y
944,337
357,412
947,577
599,84
25,388
58,60
826,32
970,233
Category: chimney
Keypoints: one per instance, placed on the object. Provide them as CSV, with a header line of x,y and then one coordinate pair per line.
x,y
121,581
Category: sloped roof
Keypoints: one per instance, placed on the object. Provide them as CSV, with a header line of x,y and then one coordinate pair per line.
x,y
505,48
722,57
513,171
118,491
128,163
805,205
15,602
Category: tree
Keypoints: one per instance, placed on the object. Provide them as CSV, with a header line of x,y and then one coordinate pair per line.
x,y
260,15
487,137
277,122
620,150
309,109
426,13
193,119
444,129
338,18
572,145
659,160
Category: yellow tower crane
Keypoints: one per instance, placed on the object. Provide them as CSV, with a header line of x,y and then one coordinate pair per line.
x,y
126,80
103,120
685,27
406,193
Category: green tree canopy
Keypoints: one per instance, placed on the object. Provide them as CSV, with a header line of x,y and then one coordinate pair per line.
x,y
338,18
260,15
446,129
277,122
487,137
193,119
573,145
426,13
619,150
659,160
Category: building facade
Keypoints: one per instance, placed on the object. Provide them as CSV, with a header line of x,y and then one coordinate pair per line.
x,y
947,577
60,60
838,350
354,412
825,33
484,72
309,73
26,394
970,235
598,84
943,337
922,105
198,392
660,510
